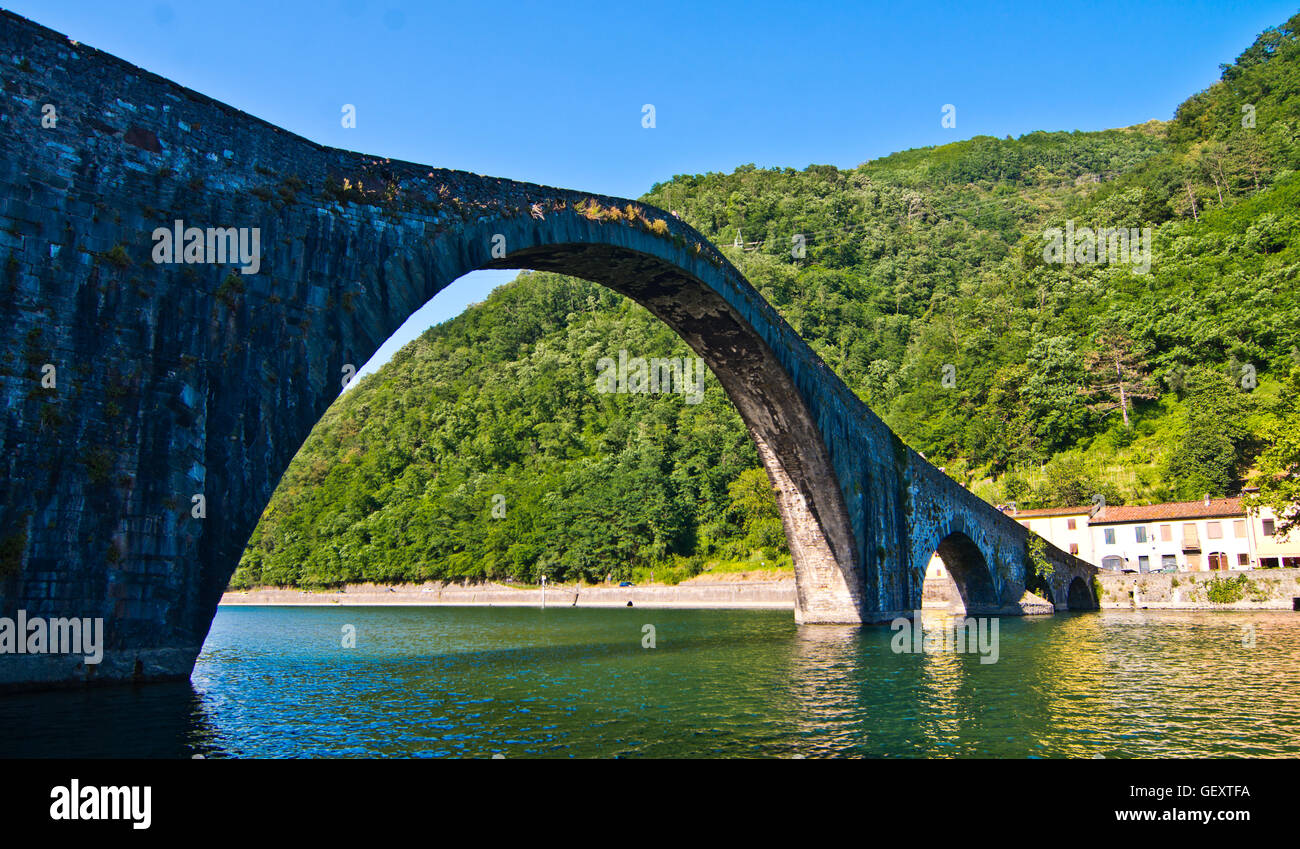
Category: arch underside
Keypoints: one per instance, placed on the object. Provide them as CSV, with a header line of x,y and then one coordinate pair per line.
x,y
813,513
970,575
1079,595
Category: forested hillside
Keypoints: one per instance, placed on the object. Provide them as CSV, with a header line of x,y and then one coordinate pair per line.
x,y
483,450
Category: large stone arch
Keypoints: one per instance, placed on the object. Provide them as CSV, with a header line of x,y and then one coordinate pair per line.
x,y
696,292
720,316
180,381
187,383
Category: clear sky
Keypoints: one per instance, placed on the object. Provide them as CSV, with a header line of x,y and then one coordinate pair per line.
x,y
552,92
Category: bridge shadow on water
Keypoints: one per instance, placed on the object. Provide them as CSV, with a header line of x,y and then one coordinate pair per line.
x,y
158,720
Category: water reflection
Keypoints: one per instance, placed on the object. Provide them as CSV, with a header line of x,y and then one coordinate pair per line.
x,y
825,697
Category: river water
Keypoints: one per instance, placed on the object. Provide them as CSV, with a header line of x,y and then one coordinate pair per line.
x,y
564,682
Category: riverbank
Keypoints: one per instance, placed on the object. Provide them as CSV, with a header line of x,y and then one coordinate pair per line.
x,y
742,590
1272,589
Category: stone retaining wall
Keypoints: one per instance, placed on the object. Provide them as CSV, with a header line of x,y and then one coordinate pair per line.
x,y
1263,589
746,594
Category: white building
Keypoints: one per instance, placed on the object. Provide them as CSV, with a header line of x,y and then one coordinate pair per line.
x,y
1064,527
1189,536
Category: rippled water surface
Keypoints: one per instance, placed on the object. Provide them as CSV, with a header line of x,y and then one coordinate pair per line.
x,y
474,682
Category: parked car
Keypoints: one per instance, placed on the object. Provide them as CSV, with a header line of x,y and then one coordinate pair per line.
x,y
627,584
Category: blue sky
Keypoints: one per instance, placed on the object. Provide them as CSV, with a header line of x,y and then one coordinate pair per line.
x,y
552,92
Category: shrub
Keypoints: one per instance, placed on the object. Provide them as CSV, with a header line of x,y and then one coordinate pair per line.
x,y
1226,590
230,289
118,257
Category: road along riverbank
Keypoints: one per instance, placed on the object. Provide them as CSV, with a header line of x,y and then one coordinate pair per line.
x,y
1271,589
772,593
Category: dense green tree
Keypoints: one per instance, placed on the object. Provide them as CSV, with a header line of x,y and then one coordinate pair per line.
x,y
1210,458
1117,374
1279,463
1070,482
753,502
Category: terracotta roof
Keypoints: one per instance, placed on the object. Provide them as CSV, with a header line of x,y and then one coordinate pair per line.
x,y
1172,510
1039,512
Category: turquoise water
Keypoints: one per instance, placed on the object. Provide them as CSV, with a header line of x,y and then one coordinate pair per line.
x,y
564,682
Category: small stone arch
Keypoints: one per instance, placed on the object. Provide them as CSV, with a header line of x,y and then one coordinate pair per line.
x,y
966,575
1079,595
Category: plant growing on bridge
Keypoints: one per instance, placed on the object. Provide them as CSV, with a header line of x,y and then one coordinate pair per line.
x,y
230,289
592,210
345,192
118,256
1039,569
1039,562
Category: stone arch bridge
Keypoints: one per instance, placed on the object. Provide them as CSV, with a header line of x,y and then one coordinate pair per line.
x,y
175,380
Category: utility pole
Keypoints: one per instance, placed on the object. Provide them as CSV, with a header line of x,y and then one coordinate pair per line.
x,y
543,592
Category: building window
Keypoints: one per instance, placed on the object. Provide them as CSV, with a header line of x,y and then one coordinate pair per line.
x,y
1291,562
1169,562
1268,563
1166,533
1141,533
1069,523
1239,529
1268,527
1243,559
1144,563
1074,548
1110,536
1213,530
1112,562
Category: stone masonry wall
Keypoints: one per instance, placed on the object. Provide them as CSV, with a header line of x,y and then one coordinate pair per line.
x,y
1264,589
